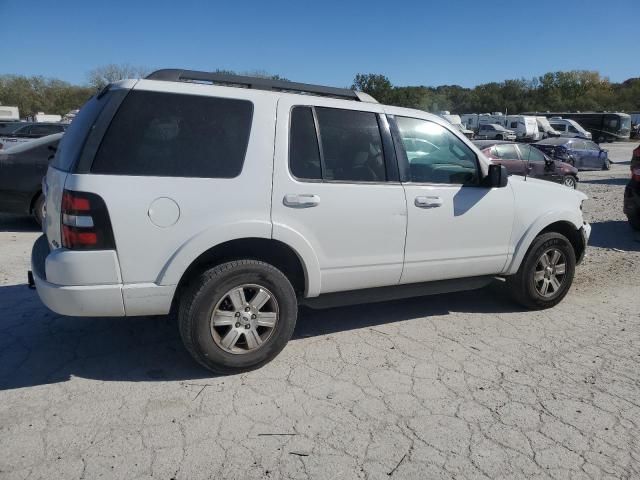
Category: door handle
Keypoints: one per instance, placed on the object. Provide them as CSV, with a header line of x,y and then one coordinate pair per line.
x,y
428,202
301,200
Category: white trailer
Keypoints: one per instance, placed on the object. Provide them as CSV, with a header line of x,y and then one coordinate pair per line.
x,y
526,127
9,114
456,121
46,117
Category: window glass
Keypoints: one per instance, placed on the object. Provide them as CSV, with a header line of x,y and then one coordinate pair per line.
x,y
573,129
441,157
304,156
558,126
166,134
506,151
578,145
590,145
531,154
45,129
351,145
514,124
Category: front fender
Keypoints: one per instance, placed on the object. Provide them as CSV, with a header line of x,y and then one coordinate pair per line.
x,y
534,230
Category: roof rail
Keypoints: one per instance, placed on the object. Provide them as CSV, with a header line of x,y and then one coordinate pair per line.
x,y
177,75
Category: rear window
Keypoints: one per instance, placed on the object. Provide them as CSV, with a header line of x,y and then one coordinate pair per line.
x,y
73,140
175,135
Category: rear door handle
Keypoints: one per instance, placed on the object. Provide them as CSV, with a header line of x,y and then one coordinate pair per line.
x,y
428,202
301,200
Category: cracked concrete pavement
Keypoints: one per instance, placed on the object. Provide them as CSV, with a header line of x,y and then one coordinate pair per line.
x,y
464,385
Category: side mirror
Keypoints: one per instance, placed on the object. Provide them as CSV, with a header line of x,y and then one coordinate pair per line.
x,y
497,176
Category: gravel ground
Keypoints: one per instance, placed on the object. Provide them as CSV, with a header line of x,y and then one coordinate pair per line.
x,y
451,386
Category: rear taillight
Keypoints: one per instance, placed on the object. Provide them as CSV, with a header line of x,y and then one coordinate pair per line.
x,y
85,222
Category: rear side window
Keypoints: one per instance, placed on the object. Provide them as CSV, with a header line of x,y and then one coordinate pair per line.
x,y
304,155
173,135
351,145
506,151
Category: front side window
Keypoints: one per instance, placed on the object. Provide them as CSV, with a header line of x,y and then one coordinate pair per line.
x,y
591,146
514,124
578,145
351,145
560,127
444,159
175,135
573,129
531,154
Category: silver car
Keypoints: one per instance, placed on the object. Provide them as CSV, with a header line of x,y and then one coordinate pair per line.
x,y
493,131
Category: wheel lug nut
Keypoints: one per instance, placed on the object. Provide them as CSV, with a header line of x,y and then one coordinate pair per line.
x,y
253,317
237,314
237,324
247,309
247,326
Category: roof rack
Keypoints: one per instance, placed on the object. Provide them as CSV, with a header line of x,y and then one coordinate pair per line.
x,y
240,81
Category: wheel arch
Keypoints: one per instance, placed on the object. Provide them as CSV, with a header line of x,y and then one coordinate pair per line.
x,y
559,223
273,252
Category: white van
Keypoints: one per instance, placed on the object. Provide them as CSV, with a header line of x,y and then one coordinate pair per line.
x,y
545,128
569,128
456,121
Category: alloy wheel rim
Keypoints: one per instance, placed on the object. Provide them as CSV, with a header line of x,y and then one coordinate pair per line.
x,y
244,319
569,182
550,272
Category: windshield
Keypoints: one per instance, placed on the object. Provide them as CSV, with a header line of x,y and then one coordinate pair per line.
x,y
576,125
625,123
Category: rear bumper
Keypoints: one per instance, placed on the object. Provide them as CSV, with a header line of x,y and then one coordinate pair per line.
x,y
98,290
82,300
632,198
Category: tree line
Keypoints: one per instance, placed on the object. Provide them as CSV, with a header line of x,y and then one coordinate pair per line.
x,y
576,90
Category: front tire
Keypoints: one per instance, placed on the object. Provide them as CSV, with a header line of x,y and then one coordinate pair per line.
x,y
634,221
606,164
546,273
570,181
237,316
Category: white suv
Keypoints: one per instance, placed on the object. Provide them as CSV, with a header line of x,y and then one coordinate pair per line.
x,y
233,205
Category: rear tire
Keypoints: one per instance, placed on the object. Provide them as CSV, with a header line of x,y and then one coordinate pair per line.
x,y
237,316
606,165
500,137
543,280
39,210
634,221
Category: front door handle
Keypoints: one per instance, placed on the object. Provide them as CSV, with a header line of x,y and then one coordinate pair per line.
x,y
428,202
301,200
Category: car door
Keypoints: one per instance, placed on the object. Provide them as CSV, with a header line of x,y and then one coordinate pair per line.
x,y
593,153
456,227
538,165
336,190
580,153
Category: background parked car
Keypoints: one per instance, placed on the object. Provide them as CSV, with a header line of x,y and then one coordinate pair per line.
x,y
31,131
523,159
21,170
632,192
582,154
493,131
9,127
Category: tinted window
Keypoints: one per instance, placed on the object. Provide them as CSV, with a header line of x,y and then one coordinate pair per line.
x,y
558,126
531,154
173,135
304,156
45,129
351,145
514,124
506,151
573,129
447,160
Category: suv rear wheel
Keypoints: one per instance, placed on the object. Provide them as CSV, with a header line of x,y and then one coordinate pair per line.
x,y
546,273
39,209
237,316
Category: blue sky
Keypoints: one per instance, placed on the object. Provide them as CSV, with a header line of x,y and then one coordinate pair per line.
x,y
413,43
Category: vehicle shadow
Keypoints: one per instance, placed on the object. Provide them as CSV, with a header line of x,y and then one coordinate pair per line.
x,y
38,347
616,234
607,181
17,223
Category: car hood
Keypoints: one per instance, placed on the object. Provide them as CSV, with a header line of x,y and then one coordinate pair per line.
x,y
553,190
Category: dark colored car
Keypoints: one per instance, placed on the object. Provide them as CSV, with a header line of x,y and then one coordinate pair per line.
x,y
582,154
21,170
523,159
632,192
30,131
8,127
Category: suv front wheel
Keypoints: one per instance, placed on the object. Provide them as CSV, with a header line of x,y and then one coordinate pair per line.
x,y
546,273
237,316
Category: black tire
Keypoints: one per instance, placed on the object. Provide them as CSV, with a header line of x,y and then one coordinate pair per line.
x,y
201,297
38,210
570,181
499,137
634,221
522,285
606,165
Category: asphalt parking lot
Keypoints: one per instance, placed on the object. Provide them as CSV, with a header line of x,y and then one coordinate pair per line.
x,y
465,385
